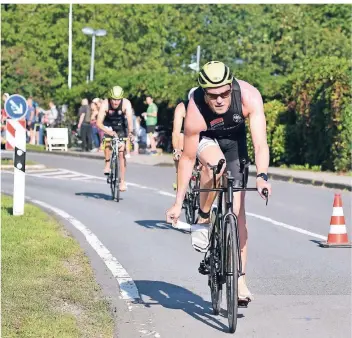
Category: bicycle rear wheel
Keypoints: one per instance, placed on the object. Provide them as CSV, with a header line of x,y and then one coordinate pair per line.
x,y
231,273
215,263
187,204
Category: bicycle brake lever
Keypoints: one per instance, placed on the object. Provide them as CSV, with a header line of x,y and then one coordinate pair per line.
x,y
266,194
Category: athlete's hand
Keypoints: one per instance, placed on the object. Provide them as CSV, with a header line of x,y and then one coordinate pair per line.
x,y
173,214
262,184
113,133
177,154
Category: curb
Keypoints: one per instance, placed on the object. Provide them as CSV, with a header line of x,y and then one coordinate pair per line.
x,y
277,177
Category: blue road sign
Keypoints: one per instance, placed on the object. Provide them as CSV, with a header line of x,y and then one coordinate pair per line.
x,y
16,107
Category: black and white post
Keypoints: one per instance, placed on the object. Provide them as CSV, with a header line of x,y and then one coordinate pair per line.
x,y
19,171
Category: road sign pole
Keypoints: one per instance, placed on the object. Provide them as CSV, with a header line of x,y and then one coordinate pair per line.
x,y
19,170
16,109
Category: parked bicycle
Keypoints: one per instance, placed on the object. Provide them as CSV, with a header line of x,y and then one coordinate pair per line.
x,y
222,262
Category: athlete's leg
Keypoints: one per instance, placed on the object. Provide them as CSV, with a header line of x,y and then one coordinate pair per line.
x,y
122,159
107,153
239,209
208,152
176,161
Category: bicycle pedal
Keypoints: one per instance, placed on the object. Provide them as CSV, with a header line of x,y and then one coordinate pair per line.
x,y
108,180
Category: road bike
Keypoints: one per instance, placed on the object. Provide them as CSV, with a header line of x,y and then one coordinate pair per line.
x,y
222,261
114,175
191,200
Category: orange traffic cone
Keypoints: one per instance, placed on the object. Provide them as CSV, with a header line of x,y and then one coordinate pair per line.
x,y
337,237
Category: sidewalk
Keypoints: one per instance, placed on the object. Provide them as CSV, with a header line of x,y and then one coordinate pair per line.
x,y
325,179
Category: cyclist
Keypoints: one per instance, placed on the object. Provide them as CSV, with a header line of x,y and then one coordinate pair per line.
x,y
111,120
178,130
215,129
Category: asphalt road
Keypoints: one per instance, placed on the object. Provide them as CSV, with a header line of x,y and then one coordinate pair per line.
x,y
300,289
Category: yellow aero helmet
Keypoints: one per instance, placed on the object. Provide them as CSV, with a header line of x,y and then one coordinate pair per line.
x,y
116,93
215,74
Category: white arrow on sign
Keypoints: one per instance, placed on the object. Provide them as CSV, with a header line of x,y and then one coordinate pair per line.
x,y
18,110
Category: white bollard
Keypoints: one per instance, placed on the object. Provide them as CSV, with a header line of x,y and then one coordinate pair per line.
x,y
19,171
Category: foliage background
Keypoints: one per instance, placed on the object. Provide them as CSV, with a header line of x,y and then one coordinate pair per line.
x,y
298,56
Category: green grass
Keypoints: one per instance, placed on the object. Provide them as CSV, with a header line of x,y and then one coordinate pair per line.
x,y
48,286
35,147
301,167
7,161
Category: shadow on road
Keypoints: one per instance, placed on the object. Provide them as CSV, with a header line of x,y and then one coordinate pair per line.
x,y
95,195
175,297
159,224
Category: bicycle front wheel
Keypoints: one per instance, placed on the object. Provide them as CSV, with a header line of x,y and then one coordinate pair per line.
x,y
215,264
117,179
114,180
231,273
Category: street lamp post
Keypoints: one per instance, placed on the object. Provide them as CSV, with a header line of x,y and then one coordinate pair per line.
x,y
69,80
93,33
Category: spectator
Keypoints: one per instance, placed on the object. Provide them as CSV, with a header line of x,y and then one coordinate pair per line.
x,y
39,127
52,114
98,101
30,119
151,116
85,126
93,122
3,118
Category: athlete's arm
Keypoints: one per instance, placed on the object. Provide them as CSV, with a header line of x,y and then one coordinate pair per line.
x,y
128,112
194,124
101,116
177,124
258,130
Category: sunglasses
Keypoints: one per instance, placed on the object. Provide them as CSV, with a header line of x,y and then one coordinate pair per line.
x,y
223,95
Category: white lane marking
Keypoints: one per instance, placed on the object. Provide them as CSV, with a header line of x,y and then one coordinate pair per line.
x,y
287,226
52,173
44,170
263,218
128,289
165,193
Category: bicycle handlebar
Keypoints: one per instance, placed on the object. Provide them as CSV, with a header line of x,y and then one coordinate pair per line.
x,y
217,169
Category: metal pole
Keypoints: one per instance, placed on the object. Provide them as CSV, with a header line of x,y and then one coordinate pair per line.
x,y
19,172
198,58
69,80
92,59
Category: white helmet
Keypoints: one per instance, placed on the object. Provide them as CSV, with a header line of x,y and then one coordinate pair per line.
x,y
191,92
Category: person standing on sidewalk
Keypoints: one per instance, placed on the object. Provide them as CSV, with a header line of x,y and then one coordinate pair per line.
x,y
95,130
85,126
151,116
